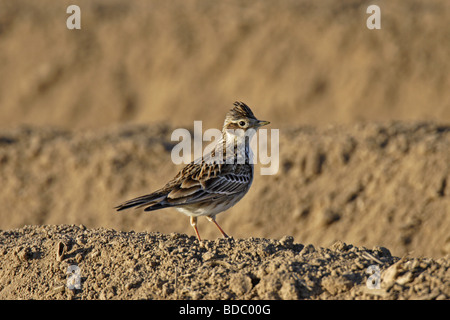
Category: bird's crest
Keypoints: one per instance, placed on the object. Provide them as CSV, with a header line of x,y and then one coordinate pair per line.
x,y
239,111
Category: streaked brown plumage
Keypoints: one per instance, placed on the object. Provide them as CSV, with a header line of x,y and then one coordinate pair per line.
x,y
212,184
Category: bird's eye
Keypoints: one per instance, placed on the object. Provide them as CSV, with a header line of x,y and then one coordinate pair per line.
x,y
242,123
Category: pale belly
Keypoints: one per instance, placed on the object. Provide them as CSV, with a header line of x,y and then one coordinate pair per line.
x,y
209,210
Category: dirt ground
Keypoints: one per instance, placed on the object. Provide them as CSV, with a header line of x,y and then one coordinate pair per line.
x,y
128,265
86,118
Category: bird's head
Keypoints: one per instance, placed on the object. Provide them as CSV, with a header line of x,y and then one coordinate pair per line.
x,y
241,117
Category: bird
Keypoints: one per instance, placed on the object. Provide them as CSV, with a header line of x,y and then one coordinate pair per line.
x,y
214,182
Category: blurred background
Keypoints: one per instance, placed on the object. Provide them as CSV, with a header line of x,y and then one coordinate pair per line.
x,y
364,115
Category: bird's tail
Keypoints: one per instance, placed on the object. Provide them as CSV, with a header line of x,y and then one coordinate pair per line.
x,y
153,201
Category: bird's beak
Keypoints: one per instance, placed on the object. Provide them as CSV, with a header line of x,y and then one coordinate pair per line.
x,y
262,123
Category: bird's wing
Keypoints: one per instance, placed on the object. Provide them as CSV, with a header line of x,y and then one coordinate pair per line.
x,y
197,182
203,182
233,179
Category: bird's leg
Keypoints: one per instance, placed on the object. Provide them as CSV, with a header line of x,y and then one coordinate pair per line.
x,y
193,221
213,219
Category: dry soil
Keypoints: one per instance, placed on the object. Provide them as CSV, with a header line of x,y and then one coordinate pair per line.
x,y
86,118
37,262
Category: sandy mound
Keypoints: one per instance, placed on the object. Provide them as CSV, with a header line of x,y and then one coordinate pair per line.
x,y
129,265
371,185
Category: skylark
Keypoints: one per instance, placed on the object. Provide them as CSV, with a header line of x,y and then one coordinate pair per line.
x,y
214,182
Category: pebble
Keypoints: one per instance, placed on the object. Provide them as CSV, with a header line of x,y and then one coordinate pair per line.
x,y
287,241
207,256
307,249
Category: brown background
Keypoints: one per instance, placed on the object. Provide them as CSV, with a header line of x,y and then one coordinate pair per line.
x,y
86,115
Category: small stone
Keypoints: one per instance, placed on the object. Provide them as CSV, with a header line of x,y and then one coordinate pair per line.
x,y
95,253
167,290
405,278
335,285
359,264
80,241
390,275
287,241
207,256
339,245
59,289
383,252
240,284
25,254
307,249
196,295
